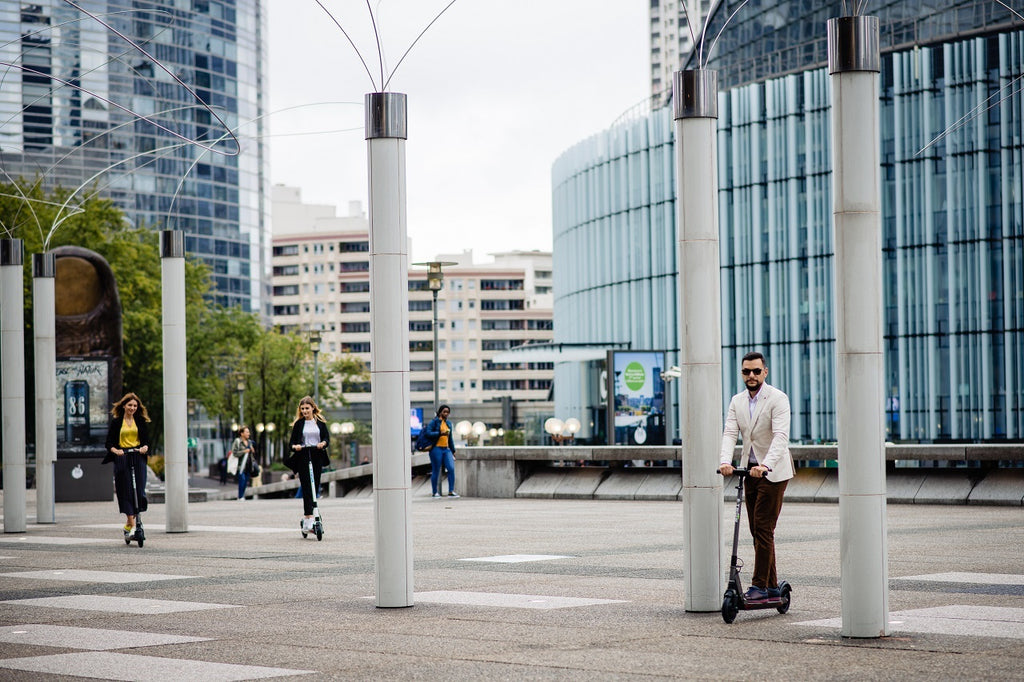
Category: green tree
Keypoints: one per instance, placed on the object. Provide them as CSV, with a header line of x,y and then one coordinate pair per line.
x,y
134,257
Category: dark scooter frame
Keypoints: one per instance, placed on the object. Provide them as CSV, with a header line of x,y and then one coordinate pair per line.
x,y
734,600
139,535
318,524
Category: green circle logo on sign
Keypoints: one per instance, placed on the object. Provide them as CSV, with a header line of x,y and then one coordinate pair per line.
x,y
634,376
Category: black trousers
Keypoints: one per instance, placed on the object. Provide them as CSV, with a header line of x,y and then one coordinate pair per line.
x,y
123,481
302,464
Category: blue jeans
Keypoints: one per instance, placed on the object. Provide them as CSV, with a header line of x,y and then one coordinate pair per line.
x,y
441,457
243,482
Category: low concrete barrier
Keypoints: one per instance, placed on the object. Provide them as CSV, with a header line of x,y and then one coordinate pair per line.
x,y
554,472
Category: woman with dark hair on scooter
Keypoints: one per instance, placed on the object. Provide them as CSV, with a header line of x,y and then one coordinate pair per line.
x,y
309,442
127,446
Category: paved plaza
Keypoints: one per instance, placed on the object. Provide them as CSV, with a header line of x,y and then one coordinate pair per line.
x,y
524,589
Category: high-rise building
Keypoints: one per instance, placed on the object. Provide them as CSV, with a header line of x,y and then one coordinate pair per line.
x,y
952,173
321,280
81,107
674,26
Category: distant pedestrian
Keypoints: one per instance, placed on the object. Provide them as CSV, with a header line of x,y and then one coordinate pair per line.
x,y
127,447
309,442
442,453
243,449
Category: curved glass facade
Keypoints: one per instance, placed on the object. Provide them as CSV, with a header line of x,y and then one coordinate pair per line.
x,y
63,70
952,230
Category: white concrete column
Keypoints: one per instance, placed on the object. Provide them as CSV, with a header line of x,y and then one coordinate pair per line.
x,y
389,348
12,388
172,279
695,97
44,325
860,385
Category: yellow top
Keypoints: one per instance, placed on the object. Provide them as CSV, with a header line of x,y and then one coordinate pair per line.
x,y
130,435
442,441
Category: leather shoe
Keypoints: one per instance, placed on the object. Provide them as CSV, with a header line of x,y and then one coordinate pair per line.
x,y
755,594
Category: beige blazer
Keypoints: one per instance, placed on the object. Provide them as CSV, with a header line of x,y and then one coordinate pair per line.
x,y
767,432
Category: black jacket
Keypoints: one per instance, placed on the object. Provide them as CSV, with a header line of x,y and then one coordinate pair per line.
x,y
114,435
321,455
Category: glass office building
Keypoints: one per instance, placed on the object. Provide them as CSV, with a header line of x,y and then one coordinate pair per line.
x,y
81,106
952,121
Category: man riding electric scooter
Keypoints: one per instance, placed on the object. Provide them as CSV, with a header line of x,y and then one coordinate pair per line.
x,y
760,415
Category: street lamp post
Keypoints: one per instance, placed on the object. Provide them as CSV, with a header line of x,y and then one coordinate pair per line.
x,y
314,345
435,282
240,385
270,438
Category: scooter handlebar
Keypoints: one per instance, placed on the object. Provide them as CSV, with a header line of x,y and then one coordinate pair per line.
x,y
737,471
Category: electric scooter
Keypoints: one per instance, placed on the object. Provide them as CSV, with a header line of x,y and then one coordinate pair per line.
x,y
318,524
139,534
734,600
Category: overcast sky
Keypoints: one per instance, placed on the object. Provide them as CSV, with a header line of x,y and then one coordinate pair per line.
x,y
497,90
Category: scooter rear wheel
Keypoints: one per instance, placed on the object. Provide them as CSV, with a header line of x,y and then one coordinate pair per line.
x,y
730,606
786,599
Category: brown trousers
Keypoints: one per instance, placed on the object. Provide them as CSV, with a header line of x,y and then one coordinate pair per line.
x,y
764,503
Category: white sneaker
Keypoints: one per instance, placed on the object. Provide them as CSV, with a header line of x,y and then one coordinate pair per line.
x,y
307,524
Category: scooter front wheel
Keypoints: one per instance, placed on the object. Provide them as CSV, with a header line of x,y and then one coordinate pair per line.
x,y
318,528
730,606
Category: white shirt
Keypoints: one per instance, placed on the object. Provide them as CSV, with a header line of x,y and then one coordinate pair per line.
x,y
310,433
751,406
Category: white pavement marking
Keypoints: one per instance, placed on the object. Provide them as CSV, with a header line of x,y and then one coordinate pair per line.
x,y
85,602
959,620
87,638
93,576
514,601
205,529
111,666
970,578
517,558
43,540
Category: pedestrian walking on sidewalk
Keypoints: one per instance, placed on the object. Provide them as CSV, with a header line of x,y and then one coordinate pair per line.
x,y
442,454
243,449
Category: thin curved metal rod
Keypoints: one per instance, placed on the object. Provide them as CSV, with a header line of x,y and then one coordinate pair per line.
x,y
715,41
163,68
413,44
130,112
376,35
25,201
358,54
115,58
98,174
689,26
100,136
1015,12
974,113
703,31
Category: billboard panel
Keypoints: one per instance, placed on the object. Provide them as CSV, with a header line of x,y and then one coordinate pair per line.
x,y
638,392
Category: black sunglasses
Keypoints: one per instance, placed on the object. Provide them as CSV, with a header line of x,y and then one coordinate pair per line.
x,y
756,371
